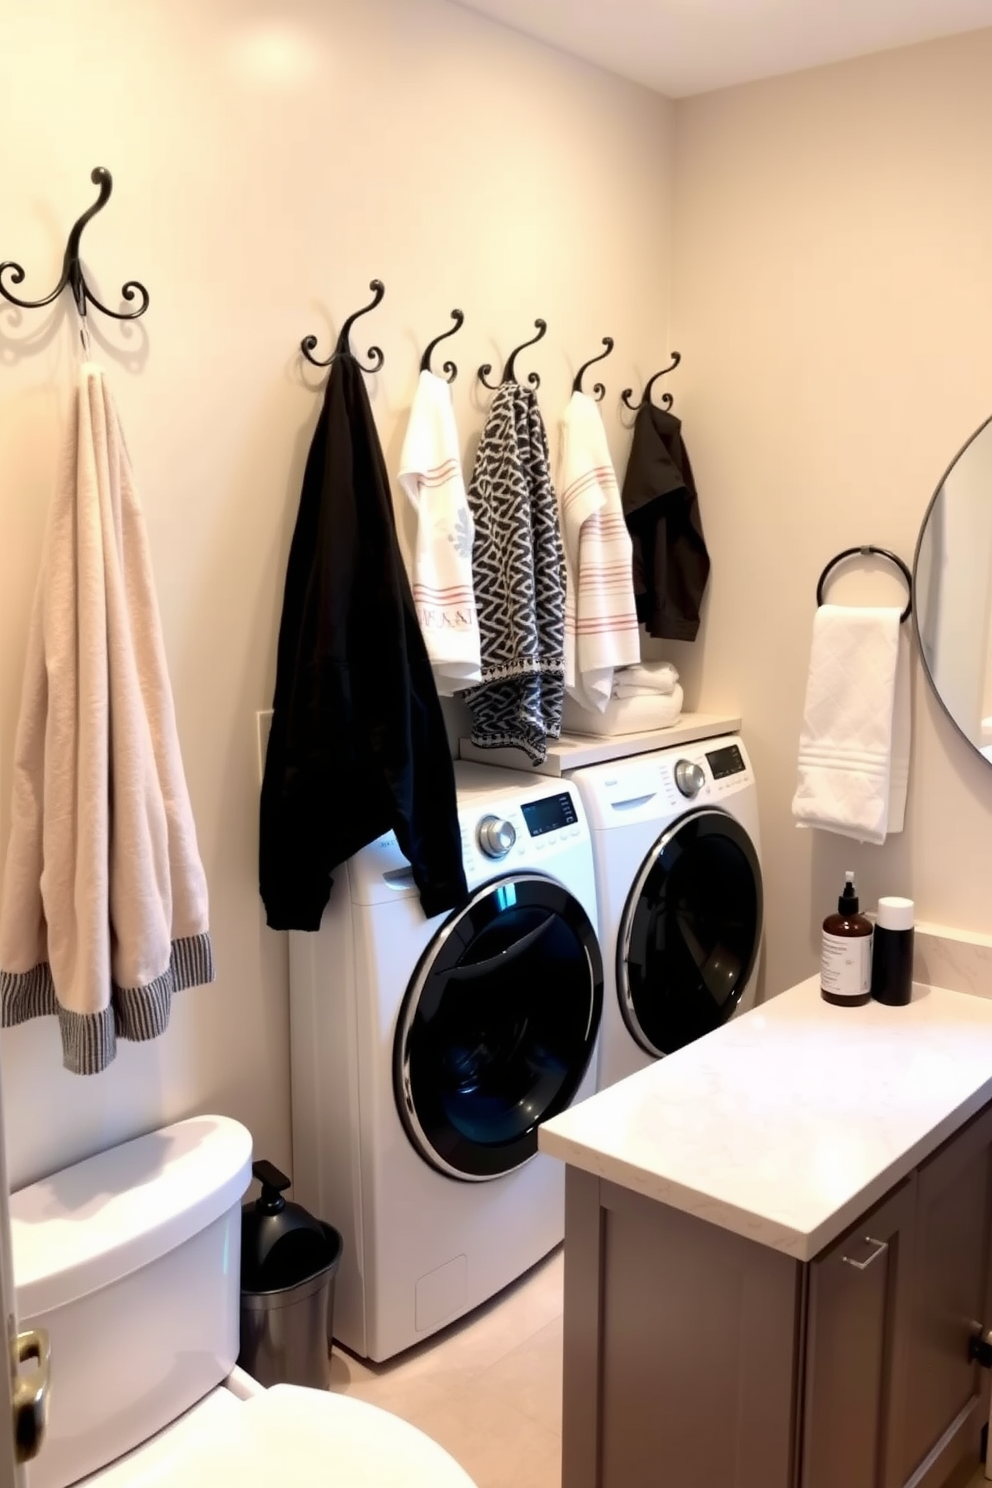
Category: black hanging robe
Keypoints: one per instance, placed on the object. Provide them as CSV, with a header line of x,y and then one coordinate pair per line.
x,y
671,564
358,744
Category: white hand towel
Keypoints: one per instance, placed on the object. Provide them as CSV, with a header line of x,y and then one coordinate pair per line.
x,y
104,909
600,614
854,746
647,680
431,475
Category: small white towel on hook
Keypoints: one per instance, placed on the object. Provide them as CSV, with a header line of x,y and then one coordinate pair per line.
x,y
443,592
601,631
854,746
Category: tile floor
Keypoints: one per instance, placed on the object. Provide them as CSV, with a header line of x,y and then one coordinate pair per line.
x,y
489,1387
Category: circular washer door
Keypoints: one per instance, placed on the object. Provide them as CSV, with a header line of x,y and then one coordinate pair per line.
x,y
498,1026
690,932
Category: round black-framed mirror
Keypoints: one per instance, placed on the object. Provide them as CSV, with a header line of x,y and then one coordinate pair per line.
x,y
952,591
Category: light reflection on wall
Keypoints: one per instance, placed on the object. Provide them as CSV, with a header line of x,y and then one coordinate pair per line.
x,y
275,55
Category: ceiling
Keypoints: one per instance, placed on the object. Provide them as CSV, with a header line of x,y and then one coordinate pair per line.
x,y
680,47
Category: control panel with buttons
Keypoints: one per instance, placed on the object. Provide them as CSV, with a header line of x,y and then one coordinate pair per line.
x,y
517,834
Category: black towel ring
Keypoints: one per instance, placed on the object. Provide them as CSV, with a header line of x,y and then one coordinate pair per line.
x,y
868,551
343,348
450,370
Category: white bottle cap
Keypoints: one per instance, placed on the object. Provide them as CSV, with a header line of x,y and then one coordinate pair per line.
x,y
894,913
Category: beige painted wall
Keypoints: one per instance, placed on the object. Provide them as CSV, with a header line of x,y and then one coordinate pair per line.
x,y
832,299
269,159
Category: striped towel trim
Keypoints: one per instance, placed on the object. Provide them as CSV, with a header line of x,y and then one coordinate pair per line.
x,y
89,1040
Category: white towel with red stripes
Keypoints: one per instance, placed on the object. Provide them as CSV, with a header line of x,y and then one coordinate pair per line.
x,y
600,614
431,475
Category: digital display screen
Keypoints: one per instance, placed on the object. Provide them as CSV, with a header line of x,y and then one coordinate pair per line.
x,y
549,814
724,762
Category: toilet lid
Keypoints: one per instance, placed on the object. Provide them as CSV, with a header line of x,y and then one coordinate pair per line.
x,y
291,1437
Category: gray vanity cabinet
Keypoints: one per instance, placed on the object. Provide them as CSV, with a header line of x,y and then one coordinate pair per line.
x,y
694,1356
949,1298
858,1295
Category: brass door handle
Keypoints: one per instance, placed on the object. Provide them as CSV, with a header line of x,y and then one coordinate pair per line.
x,y
30,1393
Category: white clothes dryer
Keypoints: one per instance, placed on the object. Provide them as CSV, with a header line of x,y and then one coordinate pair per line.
x,y
425,1053
678,877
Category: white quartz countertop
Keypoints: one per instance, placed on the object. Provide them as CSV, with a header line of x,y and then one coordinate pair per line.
x,y
790,1121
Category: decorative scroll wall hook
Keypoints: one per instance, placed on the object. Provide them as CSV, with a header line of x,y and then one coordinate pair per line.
x,y
667,399
450,370
343,348
72,273
598,390
509,372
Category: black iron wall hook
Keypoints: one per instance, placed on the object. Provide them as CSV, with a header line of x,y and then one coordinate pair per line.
x,y
667,399
72,273
343,347
867,551
598,390
450,370
509,372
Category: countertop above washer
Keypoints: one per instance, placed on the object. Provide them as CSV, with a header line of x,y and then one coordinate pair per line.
x,y
575,751
790,1121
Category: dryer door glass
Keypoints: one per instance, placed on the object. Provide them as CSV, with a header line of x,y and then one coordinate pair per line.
x,y
690,932
498,1026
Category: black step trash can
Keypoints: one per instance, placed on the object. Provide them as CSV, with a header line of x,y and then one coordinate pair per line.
x,y
288,1263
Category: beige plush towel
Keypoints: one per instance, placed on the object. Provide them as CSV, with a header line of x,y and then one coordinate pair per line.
x,y
104,907
600,615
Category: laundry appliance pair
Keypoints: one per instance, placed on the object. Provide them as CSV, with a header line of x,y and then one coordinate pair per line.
x,y
614,915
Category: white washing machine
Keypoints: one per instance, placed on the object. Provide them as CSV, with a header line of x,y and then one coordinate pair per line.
x,y
678,877
426,1052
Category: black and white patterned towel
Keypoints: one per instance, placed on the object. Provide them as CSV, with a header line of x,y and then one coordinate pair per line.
x,y
518,575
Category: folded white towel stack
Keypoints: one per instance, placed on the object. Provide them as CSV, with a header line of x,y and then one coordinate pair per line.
x,y
626,715
854,746
650,679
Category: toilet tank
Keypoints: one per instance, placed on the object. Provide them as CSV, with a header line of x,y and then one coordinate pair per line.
x,y
131,1261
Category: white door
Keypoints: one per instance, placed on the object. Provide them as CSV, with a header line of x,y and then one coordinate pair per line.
x,y
27,1384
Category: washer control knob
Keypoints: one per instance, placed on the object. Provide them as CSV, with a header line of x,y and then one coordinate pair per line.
x,y
689,777
496,837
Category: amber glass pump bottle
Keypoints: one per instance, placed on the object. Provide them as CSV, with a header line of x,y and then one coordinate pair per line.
x,y
845,960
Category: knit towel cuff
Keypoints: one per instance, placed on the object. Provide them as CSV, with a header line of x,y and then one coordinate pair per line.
x,y
89,1040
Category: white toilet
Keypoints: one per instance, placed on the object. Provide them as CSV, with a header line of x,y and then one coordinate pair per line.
x,y
131,1262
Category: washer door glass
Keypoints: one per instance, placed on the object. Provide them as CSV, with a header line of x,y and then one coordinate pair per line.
x,y
690,932
498,1026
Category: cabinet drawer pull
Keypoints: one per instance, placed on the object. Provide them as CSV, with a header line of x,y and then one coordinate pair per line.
x,y
880,1247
